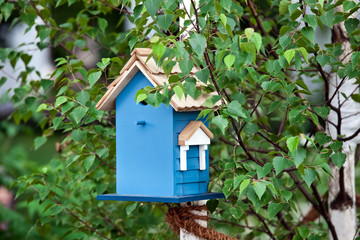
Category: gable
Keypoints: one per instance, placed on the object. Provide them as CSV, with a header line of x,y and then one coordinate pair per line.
x,y
198,138
195,133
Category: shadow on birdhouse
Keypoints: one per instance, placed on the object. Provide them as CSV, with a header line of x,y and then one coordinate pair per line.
x,y
162,153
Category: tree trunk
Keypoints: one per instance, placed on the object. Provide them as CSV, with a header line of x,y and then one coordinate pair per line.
x,y
345,115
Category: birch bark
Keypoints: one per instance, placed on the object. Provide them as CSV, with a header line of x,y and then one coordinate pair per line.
x,y
345,114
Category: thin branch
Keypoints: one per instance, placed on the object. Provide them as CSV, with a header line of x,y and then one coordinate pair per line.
x,y
337,89
101,159
302,70
47,24
264,224
124,10
283,122
108,219
238,225
259,23
344,139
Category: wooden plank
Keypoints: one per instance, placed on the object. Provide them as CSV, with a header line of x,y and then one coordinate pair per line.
x,y
168,199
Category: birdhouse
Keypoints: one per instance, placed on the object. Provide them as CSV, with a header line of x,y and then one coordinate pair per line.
x,y
162,154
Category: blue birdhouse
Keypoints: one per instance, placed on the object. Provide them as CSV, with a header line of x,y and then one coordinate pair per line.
x,y
162,154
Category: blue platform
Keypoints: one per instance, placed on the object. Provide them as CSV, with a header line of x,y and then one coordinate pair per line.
x,y
167,199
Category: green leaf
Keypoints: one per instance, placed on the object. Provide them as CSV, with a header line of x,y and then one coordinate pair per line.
x,y
89,161
244,185
235,107
45,83
284,41
336,145
165,21
313,117
309,33
223,19
42,107
178,91
322,111
198,44
257,41
130,208
326,168
212,205
229,61
2,81
203,75
56,209
152,6
356,97
6,10
94,77
141,97
348,5
228,186
351,25
280,164
263,171
104,63
83,97
44,33
289,55
273,209
238,180
338,159
154,99
322,59
221,122
102,24
311,20
322,138
292,144
299,156
283,6
286,195
270,86
77,114
155,39
186,66
249,32
60,100
304,53
260,188
43,230
309,176
236,212
39,141
158,49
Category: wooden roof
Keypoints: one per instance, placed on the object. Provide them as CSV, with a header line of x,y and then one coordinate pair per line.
x,y
190,129
156,75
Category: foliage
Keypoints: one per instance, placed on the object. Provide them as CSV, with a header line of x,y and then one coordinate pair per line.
x,y
271,154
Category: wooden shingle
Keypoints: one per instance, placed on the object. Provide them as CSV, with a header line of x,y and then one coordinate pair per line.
x,y
140,61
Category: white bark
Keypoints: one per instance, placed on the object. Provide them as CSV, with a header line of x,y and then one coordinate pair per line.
x,y
342,208
184,235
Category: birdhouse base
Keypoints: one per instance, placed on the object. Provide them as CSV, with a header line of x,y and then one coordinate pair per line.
x,y
167,199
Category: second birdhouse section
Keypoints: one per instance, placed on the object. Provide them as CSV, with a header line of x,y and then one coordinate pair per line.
x,y
161,153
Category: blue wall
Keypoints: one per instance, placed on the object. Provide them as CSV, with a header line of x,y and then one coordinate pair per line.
x,y
192,181
144,154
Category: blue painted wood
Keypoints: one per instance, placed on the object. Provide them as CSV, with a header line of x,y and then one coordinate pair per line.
x,y
168,199
148,154
144,153
192,181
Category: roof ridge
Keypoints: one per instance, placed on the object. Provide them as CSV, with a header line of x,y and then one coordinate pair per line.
x,y
190,129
